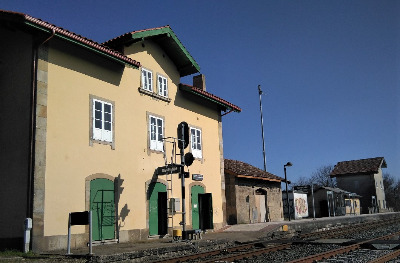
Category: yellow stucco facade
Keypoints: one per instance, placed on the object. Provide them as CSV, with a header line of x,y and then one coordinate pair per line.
x,y
88,128
72,159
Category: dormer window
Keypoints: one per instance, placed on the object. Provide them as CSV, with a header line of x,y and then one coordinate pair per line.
x,y
147,80
146,86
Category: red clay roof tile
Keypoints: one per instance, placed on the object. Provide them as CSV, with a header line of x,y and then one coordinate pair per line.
x,y
239,168
363,166
211,96
71,35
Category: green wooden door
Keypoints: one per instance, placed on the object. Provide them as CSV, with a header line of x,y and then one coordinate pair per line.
x,y
154,189
196,190
103,209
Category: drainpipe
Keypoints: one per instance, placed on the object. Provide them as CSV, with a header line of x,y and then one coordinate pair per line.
x,y
31,172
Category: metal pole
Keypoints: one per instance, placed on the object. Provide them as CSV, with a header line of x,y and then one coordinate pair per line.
x,y
334,204
183,185
329,206
287,194
90,233
69,235
312,194
262,128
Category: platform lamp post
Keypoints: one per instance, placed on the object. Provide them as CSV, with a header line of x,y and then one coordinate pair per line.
x,y
286,182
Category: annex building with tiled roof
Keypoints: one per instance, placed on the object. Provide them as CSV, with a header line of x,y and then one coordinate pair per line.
x,y
252,195
364,177
86,127
329,201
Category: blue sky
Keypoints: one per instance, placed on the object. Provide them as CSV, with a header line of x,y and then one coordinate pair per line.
x,y
330,70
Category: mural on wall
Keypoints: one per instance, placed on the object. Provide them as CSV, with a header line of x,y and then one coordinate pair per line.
x,y
300,205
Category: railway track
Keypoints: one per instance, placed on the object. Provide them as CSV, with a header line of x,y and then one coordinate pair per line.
x,y
277,250
344,230
387,257
339,251
253,246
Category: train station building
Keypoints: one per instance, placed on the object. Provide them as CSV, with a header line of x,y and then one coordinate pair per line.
x,y
86,127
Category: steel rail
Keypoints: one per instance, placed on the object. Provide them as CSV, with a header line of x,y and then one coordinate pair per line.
x,y
249,254
206,254
259,251
331,253
332,232
387,257
343,230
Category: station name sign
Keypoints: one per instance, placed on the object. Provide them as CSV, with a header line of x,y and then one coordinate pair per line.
x,y
169,169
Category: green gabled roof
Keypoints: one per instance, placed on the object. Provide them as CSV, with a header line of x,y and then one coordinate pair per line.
x,y
168,41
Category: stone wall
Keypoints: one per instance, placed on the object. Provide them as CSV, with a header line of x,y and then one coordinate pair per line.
x,y
230,194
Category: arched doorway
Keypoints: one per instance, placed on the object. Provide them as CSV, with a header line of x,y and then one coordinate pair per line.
x,y
158,217
102,205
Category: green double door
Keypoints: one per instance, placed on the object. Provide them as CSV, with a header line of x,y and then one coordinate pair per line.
x,y
202,211
158,213
102,205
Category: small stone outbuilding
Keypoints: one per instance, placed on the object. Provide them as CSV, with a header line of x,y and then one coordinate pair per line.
x,y
252,195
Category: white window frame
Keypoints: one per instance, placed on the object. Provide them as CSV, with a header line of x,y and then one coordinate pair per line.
x,y
147,80
162,83
102,120
156,133
196,142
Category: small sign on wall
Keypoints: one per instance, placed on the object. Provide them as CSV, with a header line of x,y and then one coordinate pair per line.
x,y
197,177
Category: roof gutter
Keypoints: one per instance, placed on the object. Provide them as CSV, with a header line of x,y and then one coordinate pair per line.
x,y
209,98
79,43
260,178
214,101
